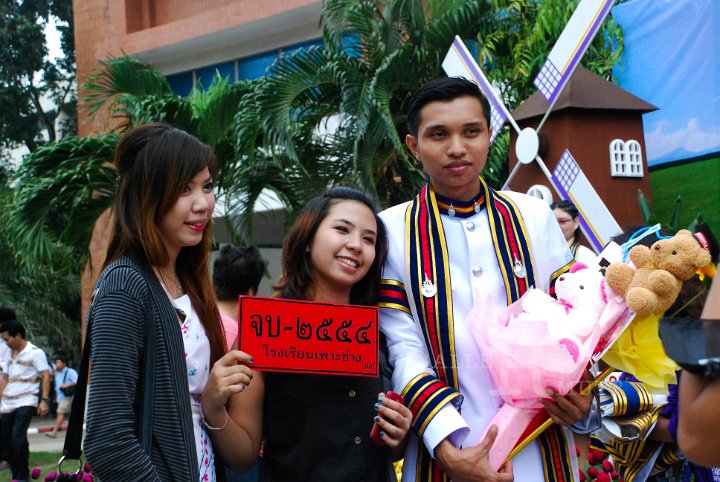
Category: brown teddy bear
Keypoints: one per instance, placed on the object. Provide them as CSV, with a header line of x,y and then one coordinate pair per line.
x,y
659,272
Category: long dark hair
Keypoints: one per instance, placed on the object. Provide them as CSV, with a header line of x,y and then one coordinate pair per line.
x,y
155,162
298,276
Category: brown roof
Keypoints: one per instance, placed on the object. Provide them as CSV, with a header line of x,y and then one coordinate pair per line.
x,y
585,90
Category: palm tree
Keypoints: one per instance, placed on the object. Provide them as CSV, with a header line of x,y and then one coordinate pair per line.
x,y
45,297
359,82
63,187
323,115
335,114
60,190
514,42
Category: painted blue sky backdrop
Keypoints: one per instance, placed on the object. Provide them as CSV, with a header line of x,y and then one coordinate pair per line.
x,y
672,60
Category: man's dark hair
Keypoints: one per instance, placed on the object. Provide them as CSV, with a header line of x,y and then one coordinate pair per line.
x,y
62,358
7,314
13,328
443,89
236,271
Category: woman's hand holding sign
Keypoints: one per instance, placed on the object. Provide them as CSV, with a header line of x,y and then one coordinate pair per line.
x,y
232,408
230,374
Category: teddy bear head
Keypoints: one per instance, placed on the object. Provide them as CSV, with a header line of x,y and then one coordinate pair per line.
x,y
682,255
582,287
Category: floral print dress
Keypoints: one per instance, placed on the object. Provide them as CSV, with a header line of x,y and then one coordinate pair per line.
x,y
197,358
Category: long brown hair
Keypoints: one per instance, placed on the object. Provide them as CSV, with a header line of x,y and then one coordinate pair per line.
x,y
155,162
298,276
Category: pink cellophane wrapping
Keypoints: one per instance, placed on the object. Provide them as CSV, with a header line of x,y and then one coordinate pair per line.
x,y
524,359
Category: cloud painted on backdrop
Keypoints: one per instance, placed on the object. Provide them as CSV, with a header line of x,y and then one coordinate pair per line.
x,y
694,138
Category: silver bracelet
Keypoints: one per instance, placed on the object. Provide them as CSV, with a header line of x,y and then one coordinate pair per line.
x,y
210,427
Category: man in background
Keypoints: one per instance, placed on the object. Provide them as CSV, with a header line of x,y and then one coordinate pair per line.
x,y
22,371
5,315
65,383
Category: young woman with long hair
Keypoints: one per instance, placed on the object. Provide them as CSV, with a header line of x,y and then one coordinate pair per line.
x,y
156,280
317,427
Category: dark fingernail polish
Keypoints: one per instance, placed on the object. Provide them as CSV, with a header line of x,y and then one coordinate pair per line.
x,y
252,359
377,419
380,399
382,434
377,406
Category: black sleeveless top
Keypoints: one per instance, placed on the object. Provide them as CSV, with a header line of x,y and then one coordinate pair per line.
x,y
317,428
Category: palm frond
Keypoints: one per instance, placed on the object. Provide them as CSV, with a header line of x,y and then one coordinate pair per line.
x,y
59,188
122,78
216,113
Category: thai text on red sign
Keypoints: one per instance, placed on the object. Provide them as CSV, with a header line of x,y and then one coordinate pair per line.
x,y
309,337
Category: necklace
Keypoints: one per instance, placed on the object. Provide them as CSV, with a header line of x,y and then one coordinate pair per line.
x,y
175,283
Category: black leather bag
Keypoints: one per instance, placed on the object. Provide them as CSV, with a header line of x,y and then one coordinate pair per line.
x,y
69,391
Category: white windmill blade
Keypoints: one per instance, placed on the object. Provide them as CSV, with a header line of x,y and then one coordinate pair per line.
x,y
460,63
596,221
565,56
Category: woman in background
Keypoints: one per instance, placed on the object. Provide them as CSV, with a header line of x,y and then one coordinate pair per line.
x,y
566,214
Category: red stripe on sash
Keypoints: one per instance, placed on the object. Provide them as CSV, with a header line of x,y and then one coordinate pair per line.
x,y
522,283
392,294
422,397
556,458
433,336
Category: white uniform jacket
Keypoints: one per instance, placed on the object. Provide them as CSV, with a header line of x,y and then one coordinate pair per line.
x,y
474,271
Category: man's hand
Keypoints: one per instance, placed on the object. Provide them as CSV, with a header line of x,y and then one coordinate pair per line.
x,y
472,464
571,408
43,408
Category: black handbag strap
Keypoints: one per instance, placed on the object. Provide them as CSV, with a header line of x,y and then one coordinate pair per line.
x,y
73,438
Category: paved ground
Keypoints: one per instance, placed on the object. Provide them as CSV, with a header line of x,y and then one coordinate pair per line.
x,y
39,442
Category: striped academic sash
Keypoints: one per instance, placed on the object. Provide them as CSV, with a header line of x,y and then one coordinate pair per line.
x,y
427,263
631,456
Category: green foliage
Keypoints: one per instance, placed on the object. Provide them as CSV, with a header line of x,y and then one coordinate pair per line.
x,y
61,189
327,115
336,114
673,225
126,83
28,76
45,461
696,183
515,41
45,296
376,54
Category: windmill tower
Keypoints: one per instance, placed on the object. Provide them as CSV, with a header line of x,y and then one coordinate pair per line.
x,y
567,179
601,124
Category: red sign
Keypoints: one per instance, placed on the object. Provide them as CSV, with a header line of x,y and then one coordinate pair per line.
x,y
308,337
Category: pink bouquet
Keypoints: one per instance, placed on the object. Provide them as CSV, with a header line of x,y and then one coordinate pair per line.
x,y
539,342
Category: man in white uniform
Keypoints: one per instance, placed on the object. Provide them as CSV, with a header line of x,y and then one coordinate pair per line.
x,y
457,240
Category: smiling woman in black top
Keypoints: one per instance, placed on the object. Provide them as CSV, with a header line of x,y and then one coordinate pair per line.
x,y
317,427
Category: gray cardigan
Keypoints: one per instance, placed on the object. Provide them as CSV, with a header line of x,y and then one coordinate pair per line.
x,y
125,302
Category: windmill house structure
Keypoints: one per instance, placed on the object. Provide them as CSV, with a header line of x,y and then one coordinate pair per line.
x,y
601,125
